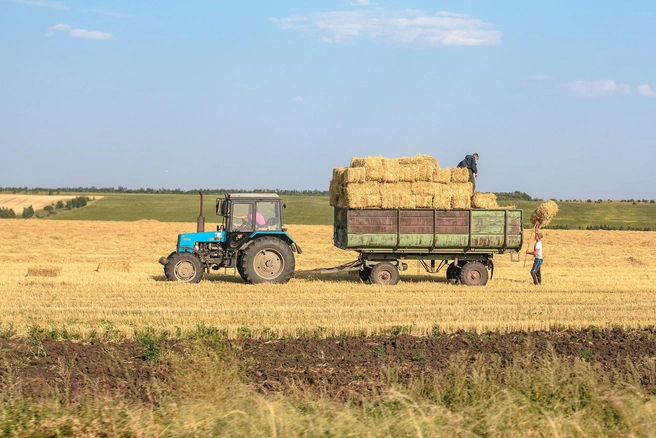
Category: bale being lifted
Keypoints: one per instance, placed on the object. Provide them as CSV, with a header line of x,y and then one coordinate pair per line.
x,y
544,213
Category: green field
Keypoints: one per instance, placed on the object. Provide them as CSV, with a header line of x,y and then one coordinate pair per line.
x,y
315,210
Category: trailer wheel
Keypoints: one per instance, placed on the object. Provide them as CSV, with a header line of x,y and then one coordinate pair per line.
x,y
453,273
365,274
267,260
384,273
474,274
184,266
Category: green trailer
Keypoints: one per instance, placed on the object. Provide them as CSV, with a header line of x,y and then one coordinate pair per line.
x,y
463,241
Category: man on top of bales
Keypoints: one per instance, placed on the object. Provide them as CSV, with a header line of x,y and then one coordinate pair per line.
x,y
470,163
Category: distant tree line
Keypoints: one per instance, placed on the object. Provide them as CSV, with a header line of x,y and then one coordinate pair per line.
x,y
514,196
120,189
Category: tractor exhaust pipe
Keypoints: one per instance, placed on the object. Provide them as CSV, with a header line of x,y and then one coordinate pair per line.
x,y
200,222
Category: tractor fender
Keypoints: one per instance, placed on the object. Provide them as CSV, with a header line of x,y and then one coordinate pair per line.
x,y
282,236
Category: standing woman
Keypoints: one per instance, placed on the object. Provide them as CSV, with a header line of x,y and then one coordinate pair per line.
x,y
537,263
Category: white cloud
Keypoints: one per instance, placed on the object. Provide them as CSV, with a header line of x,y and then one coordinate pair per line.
x,y
90,34
64,27
404,26
645,90
41,3
298,99
602,88
78,33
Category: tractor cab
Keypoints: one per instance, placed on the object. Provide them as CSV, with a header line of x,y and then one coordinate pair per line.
x,y
245,215
250,212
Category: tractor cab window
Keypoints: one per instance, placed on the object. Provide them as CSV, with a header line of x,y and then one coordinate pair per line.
x,y
267,216
241,217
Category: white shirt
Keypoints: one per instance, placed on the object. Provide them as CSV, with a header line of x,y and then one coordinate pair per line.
x,y
538,250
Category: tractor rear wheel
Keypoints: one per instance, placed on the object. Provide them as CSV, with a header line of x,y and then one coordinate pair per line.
x,y
453,273
184,266
474,274
267,260
384,273
239,267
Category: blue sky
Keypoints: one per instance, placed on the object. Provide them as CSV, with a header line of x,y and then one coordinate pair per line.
x,y
558,98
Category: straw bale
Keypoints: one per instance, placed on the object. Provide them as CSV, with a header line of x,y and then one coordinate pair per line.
x,y
336,186
354,175
461,194
442,197
484,200
338,174
361,195
425,171
407,172
114,266
418,159
459,175
424,188
423,201
442,175
544,213
43,272
373,165
391,170
397,195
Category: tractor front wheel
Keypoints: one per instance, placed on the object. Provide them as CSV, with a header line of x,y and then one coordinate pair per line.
x,y
184,266
267,260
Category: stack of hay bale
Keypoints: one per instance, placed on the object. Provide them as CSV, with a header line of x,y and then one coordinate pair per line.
x,y
406,182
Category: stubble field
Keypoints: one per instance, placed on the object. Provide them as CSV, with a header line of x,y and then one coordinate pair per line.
x,y
94,341
83,276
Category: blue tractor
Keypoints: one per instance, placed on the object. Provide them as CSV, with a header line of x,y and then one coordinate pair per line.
x,y
251,238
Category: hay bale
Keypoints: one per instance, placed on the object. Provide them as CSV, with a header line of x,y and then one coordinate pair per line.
x,y
441,175
113,266
397,195
484,200
361,195
418,159
461,195
336,186
544,213
354,175
391,170
459,175
423,193
407,172
373,165
43,272
425,171
442,197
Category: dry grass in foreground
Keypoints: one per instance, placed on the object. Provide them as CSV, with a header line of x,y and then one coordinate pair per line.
x,y
83,277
